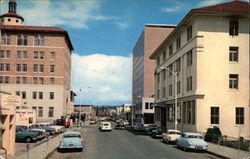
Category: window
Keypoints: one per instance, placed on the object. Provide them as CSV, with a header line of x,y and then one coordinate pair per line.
x,y
41,55
6,79
178,43
51,95
170,87
158,61
35,80
35,68
52,55
146,105
158,78
170,50
233,81
39,40
41,68
189,83
18,93
25,68
40,94
7,54
158,93
18,80
239,116
164,74
52,68
233,27
233,53
34,95
178,87
5,40
7,67
35,55
2,54
25,54
23,95
170,67
214,113
1,67
18,67
19,54
51,112
164,92
189,58
24,80
178,65
179,112
52,80
41,80
40,111
22,40
151,105
164,55
189,33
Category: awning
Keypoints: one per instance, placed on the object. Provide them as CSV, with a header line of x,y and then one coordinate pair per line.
x,y
160,104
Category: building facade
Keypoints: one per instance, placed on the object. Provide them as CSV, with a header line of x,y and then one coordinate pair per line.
x,y
8,103
35,64
205,62
143,70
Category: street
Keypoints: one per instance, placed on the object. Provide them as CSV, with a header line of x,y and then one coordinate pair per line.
x,y
122,144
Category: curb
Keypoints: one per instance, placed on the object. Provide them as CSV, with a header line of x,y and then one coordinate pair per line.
x,y
217,155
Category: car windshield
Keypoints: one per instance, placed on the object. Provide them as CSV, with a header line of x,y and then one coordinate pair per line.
x,y
195,136
174,132
106,124
72,136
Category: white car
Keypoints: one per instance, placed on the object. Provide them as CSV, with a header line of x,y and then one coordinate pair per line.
x,y
191,141
58,128
171,135
106,126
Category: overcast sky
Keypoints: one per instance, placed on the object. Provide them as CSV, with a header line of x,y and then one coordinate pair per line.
x,y
103,34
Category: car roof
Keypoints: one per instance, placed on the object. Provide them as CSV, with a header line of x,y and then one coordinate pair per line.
x,y
191,133
72,132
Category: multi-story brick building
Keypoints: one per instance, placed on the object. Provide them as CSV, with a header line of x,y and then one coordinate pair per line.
x,y
143,71
208,55
35,63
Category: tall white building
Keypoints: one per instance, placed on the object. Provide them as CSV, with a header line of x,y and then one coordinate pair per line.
x,y
209,54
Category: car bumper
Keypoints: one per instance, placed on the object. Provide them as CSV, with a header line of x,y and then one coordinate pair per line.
x,y
198,147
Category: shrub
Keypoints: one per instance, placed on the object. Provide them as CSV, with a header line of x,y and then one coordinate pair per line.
x,y
213,134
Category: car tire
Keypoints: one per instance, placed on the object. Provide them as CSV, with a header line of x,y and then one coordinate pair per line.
x,y
27,139
185,149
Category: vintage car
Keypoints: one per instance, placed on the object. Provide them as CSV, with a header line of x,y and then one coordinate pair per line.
x,y
191,141
119,125
58,128
157,132
149,128
138,127
171,135
106,126
41,133
71,140
26,136
50,131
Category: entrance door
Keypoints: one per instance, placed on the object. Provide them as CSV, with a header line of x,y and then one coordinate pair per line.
x,y
163,117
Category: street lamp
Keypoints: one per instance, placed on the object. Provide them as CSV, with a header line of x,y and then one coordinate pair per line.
x,y
175,81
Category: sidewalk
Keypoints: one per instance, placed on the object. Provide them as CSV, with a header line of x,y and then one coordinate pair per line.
x,y
227,152
41,151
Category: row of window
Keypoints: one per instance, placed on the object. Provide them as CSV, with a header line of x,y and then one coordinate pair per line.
x,y
233,30
24,80
25,54
24,67
23,40
40,113
35,95
149,105
215,115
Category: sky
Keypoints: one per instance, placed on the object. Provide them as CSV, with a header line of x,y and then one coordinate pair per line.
x,y
103,34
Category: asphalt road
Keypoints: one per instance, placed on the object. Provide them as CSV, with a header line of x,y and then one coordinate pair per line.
x,y
123,144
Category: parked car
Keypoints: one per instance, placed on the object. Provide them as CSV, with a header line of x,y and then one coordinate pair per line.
x,y
41,133
148,129
101,124
26,136
171,135
125,122
106,126
92,122
50,131
191,141
157,132
119,125
138,127
71,140
58,128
